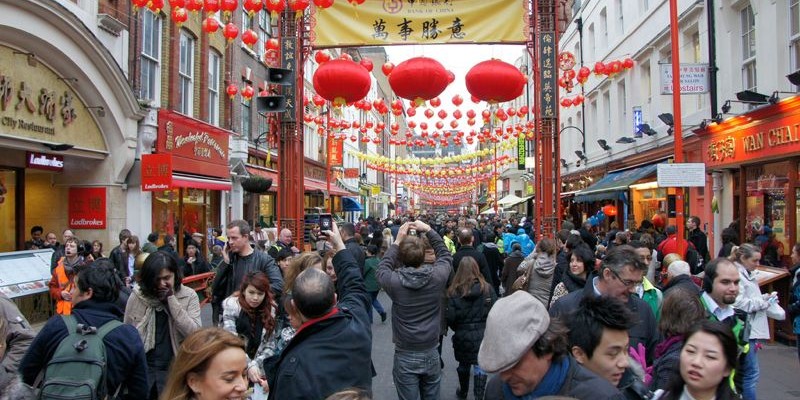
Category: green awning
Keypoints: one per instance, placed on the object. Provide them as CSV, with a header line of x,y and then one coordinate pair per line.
x,y
615,185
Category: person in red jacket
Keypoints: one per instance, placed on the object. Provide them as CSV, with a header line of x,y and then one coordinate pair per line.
x,y
670,244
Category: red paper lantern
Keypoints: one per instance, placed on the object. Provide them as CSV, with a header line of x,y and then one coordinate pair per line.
x,y
342,81
232,90
495,81
411,111
566,102
323,4
435,102
137,4
356,2
387,68
179,15
457,100
210,6
442,114
418,79
299,6
177,3
230,32
523,110
627,63
599,68
429,113
275,7
210,25
249,37
248,92
228,7
318,100
367,64
322,57
610,210
155,5
253,6
457,114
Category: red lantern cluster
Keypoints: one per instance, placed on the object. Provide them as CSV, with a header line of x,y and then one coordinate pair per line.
x,y
613,68
572,101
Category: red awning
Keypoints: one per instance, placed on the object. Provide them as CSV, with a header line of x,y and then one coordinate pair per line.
x,y
196,182
313,184
265,173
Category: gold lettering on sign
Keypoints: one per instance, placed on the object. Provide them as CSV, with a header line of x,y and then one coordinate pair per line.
x,y
753,142
783,135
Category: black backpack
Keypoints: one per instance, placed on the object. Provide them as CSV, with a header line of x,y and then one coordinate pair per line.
x,y
78,367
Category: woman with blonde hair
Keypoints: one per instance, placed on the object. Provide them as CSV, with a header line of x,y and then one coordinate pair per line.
x,y
211,365
470,298
299,264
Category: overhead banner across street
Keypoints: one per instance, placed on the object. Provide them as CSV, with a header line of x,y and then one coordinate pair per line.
x,y
421,22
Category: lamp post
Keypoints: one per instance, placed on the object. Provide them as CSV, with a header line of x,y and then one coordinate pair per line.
x,y
581,131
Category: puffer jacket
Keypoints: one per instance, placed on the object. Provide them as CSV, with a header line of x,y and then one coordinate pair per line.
x,y
541,279
751,301
509,274
466,316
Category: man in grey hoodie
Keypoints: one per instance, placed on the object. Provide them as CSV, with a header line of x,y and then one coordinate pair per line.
x,y
415,289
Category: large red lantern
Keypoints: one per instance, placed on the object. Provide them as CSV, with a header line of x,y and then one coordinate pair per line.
x,y
299,6
228,7
177,3
495,81
155,5
137,4
210,25
249,37
232,90
179,15
610,210
418,79
210,6
230,32
323,4
275,7
253,6
342,82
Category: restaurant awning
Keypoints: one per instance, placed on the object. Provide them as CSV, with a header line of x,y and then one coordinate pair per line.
x,y
198,182
350,204
614,185
510,199
313,184
521,200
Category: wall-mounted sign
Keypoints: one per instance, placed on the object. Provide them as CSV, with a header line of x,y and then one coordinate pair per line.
x,y
638,120
86,208
547,57
49,162
694,78
196,147
36,103
351,173
682,175
521,153
337,154
156,172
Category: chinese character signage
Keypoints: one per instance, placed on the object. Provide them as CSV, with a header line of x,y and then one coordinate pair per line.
x,y
336,153
521,152
156,172
87,208
350,173
694,78
421,22
288,61
547,67
37,104
196,147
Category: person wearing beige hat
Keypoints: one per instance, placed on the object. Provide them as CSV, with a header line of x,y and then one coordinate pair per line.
x,y
529,355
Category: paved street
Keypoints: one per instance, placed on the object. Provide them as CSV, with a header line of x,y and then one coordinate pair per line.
x,y
779,364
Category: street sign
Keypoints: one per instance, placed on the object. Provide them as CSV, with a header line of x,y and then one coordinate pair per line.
x,y
694,78
682,175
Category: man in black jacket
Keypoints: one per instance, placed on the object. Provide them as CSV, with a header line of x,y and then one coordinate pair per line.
x,y
466,239
239,258
348,232
619,276
94,296
698,238
119,255
678,275
333,343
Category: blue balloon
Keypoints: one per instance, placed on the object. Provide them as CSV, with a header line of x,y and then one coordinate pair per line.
x,y
601,217
593,220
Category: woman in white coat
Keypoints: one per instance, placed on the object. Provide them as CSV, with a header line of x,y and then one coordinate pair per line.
x,y
750,300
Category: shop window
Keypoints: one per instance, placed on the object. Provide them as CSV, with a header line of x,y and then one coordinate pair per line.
x,y
8,210
766,188
266,210
181,212
186,74
150,75
213,87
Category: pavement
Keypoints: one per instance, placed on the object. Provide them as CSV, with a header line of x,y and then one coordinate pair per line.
x,y
779,364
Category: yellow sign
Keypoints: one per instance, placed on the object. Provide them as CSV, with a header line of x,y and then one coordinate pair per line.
x,y
421,22
35,103
375,190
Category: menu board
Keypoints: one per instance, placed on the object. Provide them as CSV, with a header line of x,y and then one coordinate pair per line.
x,y
25,272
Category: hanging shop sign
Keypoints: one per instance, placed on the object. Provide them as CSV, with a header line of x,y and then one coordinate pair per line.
x,y
694,78
337,154
521,153
547,58
196,147
156,172
37,103
86,208
351,173
48,162
289,61
421,22
766,133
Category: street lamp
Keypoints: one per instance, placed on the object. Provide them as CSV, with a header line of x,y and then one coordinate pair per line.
x,y
583,136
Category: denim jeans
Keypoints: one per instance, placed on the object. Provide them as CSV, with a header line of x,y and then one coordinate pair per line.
x,y
376,304
750,372
417,374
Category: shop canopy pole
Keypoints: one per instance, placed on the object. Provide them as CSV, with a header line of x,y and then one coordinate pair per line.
x,y
676,112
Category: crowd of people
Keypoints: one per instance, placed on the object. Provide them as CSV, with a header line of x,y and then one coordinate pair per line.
x,y
580,313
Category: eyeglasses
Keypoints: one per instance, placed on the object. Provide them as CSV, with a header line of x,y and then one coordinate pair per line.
x,y
627,282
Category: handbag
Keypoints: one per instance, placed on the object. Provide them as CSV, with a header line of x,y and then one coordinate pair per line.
x,y
776,312
522,282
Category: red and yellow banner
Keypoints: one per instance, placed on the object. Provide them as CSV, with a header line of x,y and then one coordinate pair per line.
x,y
421,22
